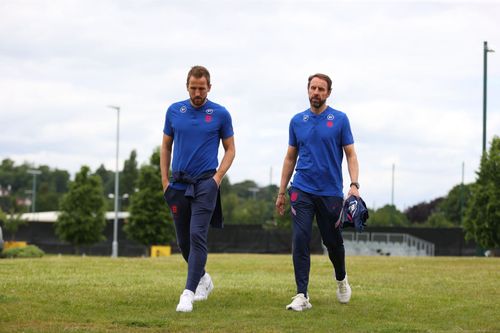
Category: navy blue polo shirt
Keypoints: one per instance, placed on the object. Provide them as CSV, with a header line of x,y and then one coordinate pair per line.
x,y
197,133
320,140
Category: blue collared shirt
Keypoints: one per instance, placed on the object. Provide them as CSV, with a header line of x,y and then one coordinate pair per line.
x,y
196,133
319,140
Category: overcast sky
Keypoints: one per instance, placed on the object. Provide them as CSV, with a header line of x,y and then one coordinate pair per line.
x,y
409,75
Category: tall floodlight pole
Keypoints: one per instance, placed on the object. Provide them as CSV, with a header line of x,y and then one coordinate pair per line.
x,y
485,79
33,172
462,194
114,248
392,195
392,189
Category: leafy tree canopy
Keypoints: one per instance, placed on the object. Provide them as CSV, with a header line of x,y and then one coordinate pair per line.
x,y
482,219
150,221
81,220
388,215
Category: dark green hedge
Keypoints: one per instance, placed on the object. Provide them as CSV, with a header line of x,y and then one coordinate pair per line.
x,y
30,251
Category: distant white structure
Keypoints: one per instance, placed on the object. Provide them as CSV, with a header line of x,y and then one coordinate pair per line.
x,y
384,243
51,217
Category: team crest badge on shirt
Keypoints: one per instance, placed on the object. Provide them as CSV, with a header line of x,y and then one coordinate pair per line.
x,y
209,111
305,117
183,109
330,117
208,118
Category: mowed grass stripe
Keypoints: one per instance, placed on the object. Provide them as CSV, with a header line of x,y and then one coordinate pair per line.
x,y
390,294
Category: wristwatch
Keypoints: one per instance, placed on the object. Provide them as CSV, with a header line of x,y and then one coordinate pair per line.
x,y
355,184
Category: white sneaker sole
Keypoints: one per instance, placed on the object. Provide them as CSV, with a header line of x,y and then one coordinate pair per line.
x,y
182,309
205,297
302,308
344,299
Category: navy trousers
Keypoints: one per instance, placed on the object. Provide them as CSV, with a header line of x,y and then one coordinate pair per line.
x,y
192,217
327,210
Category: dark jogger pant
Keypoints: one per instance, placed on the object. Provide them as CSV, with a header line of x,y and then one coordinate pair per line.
x,y
327,209
192,218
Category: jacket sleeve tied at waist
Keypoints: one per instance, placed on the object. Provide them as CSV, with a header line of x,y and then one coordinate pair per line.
x,y
217,220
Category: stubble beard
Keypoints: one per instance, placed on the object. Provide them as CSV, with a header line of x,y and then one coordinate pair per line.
x,y
316,102
198,101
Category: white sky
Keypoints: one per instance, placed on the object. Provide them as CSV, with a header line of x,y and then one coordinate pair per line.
x,y
408,74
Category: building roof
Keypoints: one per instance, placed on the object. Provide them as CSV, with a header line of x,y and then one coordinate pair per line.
x,y
52,216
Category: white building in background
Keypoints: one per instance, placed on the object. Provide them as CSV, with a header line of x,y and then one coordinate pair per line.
x,y
51,217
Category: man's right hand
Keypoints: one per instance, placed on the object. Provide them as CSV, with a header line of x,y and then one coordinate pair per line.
x,y
280,204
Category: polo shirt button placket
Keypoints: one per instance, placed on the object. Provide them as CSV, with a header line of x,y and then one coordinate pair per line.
x,y
192,115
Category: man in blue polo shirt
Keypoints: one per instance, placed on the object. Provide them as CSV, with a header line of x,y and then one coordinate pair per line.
x,y
197,126
318,138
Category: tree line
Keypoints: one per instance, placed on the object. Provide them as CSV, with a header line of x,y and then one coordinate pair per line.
x,y
473,206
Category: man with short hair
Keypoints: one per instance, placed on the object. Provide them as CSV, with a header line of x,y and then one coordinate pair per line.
x,y
318,137
197,126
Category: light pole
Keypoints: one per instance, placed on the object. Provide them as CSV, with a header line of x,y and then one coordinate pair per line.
x,y
33,172
462,195
114,247
392,186
485,78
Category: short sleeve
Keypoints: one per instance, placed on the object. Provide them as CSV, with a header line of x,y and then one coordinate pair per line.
x,y
347,138
167,127
292,138
227,126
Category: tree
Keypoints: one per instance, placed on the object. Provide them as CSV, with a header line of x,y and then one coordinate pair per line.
x,y
108,183
439,220
243,189
252,212
230,204
420,213
150,221
15,182
12,223
82,220
107,179
246,203
225,186
51,186
129,175
46,200
3,217
283,221
388,215
482,219
154,160
452,207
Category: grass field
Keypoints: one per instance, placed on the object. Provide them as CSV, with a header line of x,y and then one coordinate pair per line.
x,y
390,294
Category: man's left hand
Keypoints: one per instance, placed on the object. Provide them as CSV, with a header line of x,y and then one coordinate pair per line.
x,y
353,191
217,179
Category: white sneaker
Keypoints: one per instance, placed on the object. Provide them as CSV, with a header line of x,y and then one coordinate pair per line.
x,y
299,303
186,301
343,291
205,287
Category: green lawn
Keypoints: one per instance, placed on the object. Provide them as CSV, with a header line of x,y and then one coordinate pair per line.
x,y
390,294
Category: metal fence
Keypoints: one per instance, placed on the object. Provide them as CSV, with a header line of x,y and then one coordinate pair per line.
x,y
385,243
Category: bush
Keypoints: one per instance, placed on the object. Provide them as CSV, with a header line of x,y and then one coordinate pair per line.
x,y
30,251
